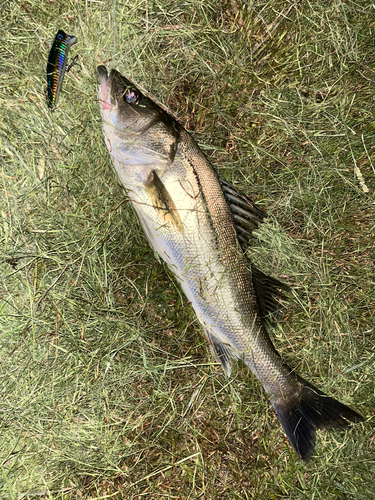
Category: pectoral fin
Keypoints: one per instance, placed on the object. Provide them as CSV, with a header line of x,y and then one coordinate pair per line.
x,y
162,202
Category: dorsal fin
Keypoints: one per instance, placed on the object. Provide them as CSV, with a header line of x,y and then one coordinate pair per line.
x,y
267,291
247,216
245,213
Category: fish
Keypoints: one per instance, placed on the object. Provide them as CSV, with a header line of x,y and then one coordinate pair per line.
x,y
57,66
199,225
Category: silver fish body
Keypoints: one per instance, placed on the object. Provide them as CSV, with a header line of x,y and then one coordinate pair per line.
x,y
185,211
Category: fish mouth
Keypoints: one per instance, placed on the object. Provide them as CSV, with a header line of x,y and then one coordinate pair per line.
x,y
104,88
102,73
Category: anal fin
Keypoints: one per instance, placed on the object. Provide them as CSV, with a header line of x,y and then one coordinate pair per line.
x,y
221,352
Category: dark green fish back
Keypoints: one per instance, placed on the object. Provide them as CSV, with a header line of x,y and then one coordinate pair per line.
x,y
56,65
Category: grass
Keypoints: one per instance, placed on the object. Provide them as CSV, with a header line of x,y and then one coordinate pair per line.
x,y
108,389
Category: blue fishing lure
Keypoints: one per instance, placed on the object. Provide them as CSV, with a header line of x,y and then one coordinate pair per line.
x,y
56,66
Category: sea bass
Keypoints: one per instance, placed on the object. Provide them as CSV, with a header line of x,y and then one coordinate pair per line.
x,y
196,222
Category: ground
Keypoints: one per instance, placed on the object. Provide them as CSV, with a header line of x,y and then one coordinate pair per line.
x,y
108,389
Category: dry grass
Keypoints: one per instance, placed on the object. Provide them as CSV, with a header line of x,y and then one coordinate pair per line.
x,y
107,386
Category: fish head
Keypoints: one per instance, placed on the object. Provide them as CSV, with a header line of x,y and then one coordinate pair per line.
x,y
138,131
122,104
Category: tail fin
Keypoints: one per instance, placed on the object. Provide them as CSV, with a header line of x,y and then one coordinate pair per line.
x,y
311,410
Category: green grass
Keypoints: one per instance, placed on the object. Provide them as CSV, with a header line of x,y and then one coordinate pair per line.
x,y
108,389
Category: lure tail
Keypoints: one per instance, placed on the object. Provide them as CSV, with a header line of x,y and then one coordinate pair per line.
x,y
56,66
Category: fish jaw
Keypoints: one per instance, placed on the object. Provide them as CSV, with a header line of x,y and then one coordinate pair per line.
x,y
104,90
109,108
139,139
123,157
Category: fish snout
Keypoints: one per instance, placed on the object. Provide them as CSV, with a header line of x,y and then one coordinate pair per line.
x,y
104,88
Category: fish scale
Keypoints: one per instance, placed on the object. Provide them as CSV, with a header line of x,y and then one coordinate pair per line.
x,y
190,218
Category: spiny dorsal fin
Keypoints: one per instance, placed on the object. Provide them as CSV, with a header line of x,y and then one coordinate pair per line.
x,y
245,213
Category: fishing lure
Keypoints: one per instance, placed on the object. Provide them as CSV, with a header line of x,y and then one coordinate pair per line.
x,y
56,66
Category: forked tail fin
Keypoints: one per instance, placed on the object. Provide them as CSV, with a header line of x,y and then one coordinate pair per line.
x,y
311,410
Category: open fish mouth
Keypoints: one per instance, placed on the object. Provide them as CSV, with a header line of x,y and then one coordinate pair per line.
x,y
104,88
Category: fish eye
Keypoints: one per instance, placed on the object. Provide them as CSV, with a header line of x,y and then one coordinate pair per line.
x,y
131,96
